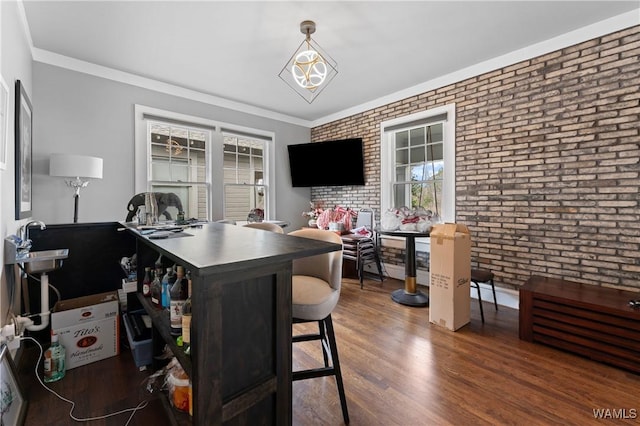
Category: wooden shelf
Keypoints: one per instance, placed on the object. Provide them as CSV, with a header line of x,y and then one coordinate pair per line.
x,y
160,320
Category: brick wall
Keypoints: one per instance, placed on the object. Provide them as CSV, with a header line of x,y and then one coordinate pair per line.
x,y
547,162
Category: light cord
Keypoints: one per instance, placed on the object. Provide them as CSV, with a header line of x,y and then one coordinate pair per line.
x,y
133,411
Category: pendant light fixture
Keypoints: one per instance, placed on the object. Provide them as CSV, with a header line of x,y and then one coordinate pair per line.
x,y
310,68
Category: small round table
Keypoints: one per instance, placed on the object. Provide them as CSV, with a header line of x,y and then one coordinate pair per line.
x,y
409,295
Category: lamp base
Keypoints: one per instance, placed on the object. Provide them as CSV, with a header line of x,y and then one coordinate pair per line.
x,y
75,207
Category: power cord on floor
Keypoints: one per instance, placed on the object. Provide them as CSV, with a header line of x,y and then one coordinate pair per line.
x,y
133,411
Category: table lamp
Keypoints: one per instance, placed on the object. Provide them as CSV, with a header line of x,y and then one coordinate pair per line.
x,y
78,167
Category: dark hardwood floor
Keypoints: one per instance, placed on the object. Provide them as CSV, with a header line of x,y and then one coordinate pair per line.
x,y
398,369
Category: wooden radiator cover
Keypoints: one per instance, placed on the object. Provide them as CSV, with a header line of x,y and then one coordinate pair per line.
x,y
588,320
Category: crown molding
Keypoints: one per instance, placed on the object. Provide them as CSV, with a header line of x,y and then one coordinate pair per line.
x,y
571,38
55,59
589,32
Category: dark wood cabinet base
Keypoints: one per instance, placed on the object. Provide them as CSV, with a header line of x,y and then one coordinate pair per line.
x,y
589,320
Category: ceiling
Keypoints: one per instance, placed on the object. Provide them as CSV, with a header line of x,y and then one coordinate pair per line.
x,y
235,50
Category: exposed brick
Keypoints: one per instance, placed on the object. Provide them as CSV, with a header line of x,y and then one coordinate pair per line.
x,y
547,163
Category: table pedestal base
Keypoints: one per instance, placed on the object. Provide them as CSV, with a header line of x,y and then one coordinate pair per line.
x,y
410,295
410,299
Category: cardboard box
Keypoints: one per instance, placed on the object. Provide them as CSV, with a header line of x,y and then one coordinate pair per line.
x,y
89,328
450,275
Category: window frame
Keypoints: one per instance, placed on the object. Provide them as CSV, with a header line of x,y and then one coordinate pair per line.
x,y
387,165
265,166
215,155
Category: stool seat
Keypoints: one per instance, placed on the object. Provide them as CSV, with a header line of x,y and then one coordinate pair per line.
x,y
315,291
481,275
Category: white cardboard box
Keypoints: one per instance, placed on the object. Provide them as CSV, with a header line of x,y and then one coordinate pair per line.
x,y
450,275
88,328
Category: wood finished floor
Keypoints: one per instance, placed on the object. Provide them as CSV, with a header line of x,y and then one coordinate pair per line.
x,y
398,369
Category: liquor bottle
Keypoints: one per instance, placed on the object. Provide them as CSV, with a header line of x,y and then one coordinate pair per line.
x,y
178,295
54,357
166,288
146,282
156,287
186,319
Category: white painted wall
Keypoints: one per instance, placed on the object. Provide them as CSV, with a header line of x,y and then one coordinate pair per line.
x,y
89,115
15,64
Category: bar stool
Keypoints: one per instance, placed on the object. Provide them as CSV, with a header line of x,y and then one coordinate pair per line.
x,y
483,276
265,226
315,291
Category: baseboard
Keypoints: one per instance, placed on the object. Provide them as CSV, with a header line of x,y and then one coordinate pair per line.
x,y
505,297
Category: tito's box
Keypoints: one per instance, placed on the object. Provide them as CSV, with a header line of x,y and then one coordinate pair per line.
x,y
88,328
449,276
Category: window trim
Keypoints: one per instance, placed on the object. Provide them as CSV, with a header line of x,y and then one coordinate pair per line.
x,y
142,171
387,129
268,165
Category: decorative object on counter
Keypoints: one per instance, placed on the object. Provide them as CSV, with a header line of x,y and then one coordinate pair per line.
x,y
405,219
255,215
341,217
313,214
150,209
78,167
163,201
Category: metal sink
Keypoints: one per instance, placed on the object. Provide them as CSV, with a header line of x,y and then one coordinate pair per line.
x,y
39,262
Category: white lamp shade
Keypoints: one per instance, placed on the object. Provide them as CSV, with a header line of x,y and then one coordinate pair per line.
x,y
70,165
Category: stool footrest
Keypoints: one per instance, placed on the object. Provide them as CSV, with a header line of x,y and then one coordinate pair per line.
x,y
313,373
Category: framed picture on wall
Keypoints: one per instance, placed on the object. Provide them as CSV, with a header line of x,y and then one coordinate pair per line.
x,y
13,404
23,130
4,122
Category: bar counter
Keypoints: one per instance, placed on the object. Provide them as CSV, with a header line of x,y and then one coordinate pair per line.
x,y
240,363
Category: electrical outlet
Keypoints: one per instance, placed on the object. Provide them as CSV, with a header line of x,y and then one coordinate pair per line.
x,y
14,344
9,337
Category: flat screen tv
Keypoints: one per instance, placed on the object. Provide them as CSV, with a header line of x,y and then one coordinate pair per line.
x,y
329,163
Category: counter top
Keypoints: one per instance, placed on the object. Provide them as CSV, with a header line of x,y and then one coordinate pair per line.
x,y
217,247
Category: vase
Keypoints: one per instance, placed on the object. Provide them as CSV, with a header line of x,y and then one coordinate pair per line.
x,y
313,223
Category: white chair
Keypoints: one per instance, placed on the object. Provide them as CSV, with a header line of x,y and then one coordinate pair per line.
x,y
227,221
362,249
315,290
267,226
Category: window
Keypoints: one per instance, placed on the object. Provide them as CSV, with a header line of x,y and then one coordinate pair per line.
x,y
179,164
219,171
244,182
418,162
418,167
